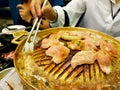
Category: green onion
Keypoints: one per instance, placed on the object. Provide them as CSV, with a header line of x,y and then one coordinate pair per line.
x,y
65,43
78,43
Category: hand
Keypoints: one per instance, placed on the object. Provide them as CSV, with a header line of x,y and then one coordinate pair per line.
x,y
45,24
37,11
24,12
35,8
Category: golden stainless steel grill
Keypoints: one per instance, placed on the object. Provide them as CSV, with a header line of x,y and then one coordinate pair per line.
x,y
40,73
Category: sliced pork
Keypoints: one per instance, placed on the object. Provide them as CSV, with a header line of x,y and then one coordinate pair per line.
x,y
107,46
53,39
104,60
90,43
83,57
46,43
58,53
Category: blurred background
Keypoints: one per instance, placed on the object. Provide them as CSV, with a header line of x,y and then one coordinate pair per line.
x,y
5,12
5,16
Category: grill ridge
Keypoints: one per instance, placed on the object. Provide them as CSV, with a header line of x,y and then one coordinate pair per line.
x,y
64,70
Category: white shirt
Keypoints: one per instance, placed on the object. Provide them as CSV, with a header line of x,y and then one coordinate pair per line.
x,y
98,15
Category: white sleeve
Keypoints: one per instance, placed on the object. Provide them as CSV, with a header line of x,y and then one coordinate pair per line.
x,y
74,10
60,20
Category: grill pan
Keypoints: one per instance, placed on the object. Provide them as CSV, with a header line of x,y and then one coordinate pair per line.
x,y
40,73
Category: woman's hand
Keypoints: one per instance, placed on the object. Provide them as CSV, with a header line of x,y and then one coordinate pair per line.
x,y
24,12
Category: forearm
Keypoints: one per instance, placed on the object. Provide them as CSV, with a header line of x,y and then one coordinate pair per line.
x,y
60,18
69,14
49,13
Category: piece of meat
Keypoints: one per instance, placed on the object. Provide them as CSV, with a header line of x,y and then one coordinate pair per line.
x,y
107,46
46,43
104,60
75,45
58,53
56,35
53,39
90,43
83,57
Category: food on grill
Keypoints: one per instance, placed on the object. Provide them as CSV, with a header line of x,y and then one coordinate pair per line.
x,y
53,39
80,60
90,47
58,53
104,59
49,42
83,57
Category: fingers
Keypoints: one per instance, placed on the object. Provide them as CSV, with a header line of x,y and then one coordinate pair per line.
x,y
33,11
20,6
38,9
35,8
22,10
21,13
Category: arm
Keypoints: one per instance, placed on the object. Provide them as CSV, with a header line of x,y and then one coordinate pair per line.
x,y
74,11
26,16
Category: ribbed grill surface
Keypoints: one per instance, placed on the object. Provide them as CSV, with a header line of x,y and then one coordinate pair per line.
x,y
64,71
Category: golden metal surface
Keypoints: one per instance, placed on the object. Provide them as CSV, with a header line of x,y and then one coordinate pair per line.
x,y
41,65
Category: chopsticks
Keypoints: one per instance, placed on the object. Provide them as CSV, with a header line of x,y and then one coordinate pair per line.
x,y
29,45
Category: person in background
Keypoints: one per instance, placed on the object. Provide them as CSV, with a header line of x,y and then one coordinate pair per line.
x,y
13,10
26,17
102,15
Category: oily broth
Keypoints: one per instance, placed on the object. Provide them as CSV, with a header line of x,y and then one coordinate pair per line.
x,y
32,74
25,62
